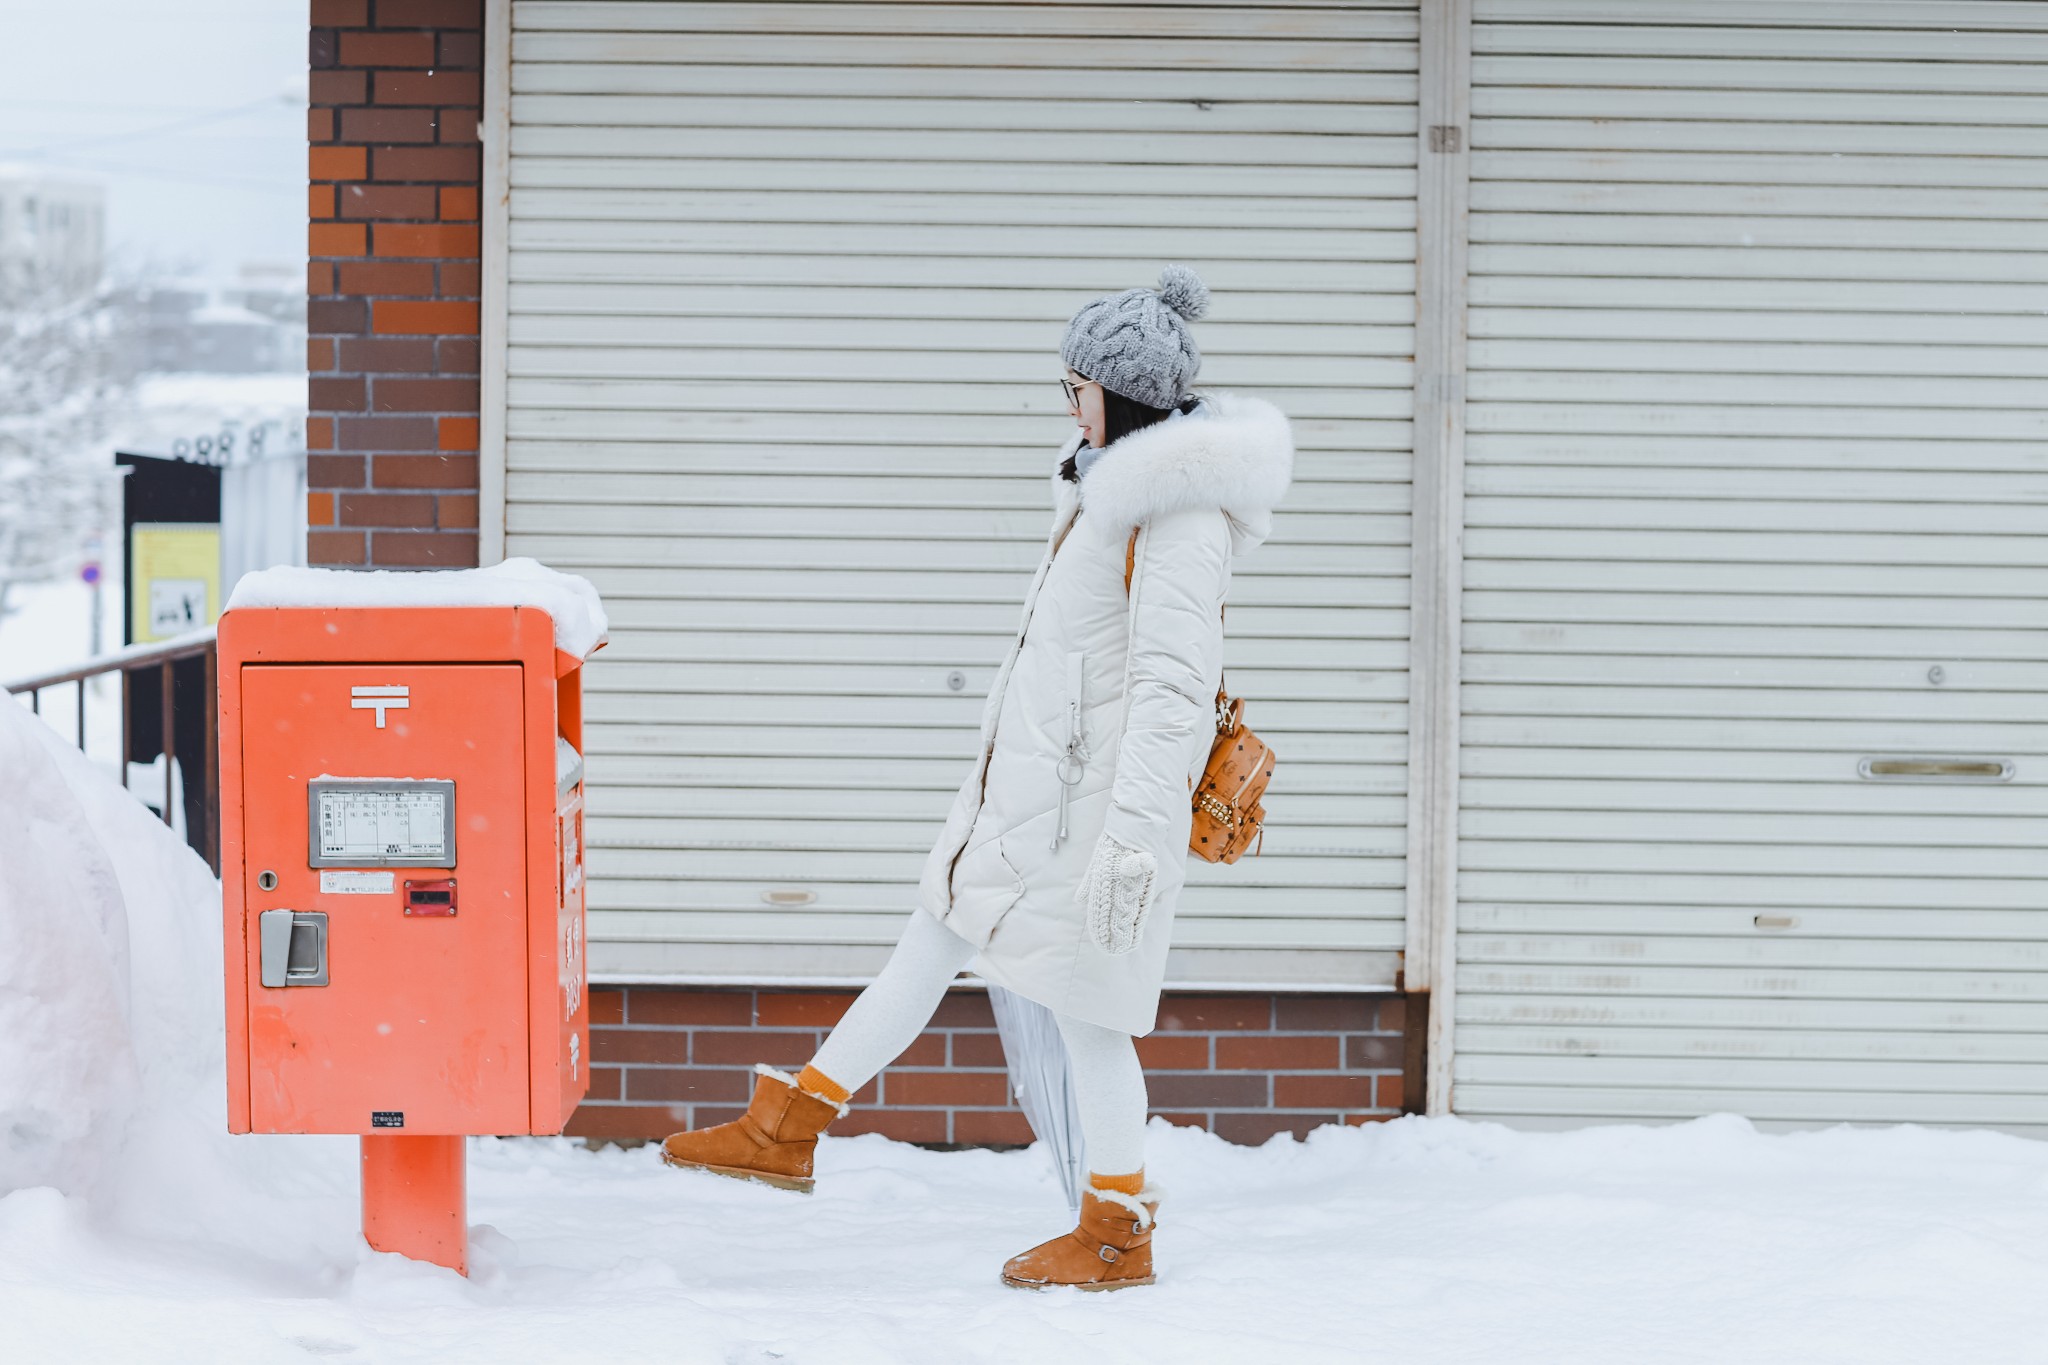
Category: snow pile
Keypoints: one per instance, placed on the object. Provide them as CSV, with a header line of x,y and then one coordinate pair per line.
x,y
67,1069
111,1049
571,600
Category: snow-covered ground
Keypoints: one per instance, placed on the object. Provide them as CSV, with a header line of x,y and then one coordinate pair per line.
x,y
133,1228
51,630
49,625
1416,1241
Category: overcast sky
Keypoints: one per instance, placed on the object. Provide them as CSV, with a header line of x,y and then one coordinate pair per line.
x,y
192,113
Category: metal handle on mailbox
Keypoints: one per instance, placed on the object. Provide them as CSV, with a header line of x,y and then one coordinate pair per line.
x,y
294,947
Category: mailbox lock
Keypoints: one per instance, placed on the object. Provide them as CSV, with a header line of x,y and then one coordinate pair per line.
x,y
266,880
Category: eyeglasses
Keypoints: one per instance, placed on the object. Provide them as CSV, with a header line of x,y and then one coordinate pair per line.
x,y
1072,391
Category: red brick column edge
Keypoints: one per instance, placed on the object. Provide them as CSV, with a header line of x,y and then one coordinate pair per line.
x,y
393,282
1242,1066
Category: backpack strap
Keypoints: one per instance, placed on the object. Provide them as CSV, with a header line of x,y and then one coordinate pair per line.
x,y
1130,567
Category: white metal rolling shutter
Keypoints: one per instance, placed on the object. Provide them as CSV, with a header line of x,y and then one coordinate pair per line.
x,y
788,283
1756,489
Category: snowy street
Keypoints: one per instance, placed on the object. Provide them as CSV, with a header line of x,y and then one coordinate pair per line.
x,y
1417,1241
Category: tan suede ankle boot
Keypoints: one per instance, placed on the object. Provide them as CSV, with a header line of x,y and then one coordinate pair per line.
x,y
772,1142
1111,1248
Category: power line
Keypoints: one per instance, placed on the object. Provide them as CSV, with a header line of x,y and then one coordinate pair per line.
x,y
293,188
154,107
199,120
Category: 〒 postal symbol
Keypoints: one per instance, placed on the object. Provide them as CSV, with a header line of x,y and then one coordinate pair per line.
x,y
379,699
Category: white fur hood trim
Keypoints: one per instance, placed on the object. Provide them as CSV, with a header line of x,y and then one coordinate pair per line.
x,y
1236,453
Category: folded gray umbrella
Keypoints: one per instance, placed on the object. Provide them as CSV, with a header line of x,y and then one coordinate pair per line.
x,y
1043,1082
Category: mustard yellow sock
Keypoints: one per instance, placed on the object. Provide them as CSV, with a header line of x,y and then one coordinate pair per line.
x,y
821,1085
1134,1183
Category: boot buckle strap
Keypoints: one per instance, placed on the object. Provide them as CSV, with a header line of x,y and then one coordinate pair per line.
x,y
1107,1252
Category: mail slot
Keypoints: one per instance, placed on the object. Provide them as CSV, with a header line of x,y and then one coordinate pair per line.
x,y
402,877
430,898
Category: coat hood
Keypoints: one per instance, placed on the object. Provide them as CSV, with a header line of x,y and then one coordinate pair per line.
x,y
1234,452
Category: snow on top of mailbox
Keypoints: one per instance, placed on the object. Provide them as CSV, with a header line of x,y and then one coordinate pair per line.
x,y
570,600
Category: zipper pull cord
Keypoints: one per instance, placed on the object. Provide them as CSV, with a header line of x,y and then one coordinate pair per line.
x,y
1074,759
1060,830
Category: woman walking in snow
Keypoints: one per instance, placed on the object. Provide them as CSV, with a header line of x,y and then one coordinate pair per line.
x,y
1064,854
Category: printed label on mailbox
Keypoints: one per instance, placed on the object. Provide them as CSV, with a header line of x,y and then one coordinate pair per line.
x,y
357,883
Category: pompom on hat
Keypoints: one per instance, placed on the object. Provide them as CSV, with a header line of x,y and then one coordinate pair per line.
x,y
1137,343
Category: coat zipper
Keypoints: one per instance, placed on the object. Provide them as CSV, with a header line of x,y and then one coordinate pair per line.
x,y
1075,759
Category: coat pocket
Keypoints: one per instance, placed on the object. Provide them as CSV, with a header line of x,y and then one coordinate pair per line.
x,y
1072,764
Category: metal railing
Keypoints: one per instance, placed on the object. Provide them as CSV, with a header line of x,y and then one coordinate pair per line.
x,y
140,659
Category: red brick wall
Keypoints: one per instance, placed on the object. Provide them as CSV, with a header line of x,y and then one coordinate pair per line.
x,y
1243,1066
393,279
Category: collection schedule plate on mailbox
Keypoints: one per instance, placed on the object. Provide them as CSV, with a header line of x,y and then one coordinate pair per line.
x,y
380,822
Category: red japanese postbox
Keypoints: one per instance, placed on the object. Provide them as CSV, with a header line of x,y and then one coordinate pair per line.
x,y
401,793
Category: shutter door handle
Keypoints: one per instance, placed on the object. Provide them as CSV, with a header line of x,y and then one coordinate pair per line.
x,y
1911,769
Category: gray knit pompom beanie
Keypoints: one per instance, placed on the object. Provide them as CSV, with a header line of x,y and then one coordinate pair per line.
x,y
1137,343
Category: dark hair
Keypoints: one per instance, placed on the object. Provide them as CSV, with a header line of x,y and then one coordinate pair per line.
x,y
1120,417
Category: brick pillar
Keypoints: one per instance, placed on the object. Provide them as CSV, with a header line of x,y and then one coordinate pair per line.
x,y
393,279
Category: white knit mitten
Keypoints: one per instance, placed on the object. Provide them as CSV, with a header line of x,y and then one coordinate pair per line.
x,y
1117,890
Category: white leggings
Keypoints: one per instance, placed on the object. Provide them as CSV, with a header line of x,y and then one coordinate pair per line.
x,y
1109,1085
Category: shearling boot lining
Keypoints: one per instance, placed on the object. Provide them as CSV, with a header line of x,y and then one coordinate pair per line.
x,y
1134,1202
762,1068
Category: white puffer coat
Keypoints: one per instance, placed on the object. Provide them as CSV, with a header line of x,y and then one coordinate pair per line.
x,y
1144,669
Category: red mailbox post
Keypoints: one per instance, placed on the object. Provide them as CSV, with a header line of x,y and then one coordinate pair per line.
x,y
402,880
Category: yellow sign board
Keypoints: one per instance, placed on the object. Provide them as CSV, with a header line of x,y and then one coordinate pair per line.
x,y
176,578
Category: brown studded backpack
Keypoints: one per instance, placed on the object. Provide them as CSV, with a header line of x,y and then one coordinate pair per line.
x,y
1228,812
